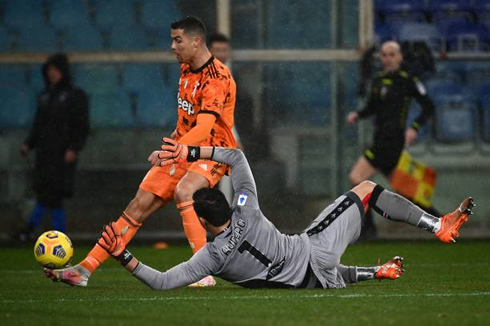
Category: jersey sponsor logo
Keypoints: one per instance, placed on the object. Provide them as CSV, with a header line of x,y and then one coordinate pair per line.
x,y
235,237
186,106
242,199
420,88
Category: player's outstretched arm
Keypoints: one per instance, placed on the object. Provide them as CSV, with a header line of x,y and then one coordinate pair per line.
x,y
241,174
191,271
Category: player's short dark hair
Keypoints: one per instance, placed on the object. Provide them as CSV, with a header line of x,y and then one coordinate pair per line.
x,y
211,205
190,25
218,37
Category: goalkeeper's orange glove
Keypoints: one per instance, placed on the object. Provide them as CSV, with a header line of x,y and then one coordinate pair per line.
x,y
174,152
111,240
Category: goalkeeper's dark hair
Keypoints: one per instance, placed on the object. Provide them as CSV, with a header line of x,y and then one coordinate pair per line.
x,y
211,205
190,25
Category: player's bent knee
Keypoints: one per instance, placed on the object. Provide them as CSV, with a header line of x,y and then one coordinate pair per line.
x,y
364,188
183,192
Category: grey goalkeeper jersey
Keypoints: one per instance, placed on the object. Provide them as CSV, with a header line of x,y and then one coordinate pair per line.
x,y
251,252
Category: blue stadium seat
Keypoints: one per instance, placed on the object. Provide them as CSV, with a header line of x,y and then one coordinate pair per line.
x,y
440,89
467,37
157,108
477,90
97,78
384,32
159,14
288,20
22,13
455,120
111,110
481,6
83,38
110,13
128,38
443,23
403,10
486,118
137,77
447,75
68,13
451,70
13,76
450,7
416,32
291,97
5,44
477,71
38,39
18,108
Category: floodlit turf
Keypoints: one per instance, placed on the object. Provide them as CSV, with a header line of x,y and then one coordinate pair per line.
x,y
443,284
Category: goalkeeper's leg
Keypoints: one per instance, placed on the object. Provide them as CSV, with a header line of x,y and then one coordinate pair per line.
x,y
394,207
390,270
142,206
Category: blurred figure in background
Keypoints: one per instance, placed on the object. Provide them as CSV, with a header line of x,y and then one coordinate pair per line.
x,y
389,102
59,132
220,48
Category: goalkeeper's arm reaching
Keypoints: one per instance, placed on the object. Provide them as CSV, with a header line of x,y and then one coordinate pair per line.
x,y
200,265
241,174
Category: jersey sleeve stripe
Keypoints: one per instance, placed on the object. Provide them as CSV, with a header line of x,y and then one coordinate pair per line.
x,y
210,112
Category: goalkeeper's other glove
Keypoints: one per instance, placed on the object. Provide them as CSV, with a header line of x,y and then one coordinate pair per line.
x,y
111,240
174,152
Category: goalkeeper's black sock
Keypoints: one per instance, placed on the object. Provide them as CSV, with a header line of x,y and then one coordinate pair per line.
x,y
394,207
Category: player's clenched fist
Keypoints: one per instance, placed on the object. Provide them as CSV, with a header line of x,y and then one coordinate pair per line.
x,y
111,241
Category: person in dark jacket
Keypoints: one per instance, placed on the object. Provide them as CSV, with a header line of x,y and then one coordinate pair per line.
x,y
59,132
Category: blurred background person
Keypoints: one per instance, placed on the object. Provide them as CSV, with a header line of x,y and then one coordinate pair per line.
x,y
59,132
388,103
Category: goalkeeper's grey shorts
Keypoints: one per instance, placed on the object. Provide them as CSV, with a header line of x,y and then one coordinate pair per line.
x,y
330,233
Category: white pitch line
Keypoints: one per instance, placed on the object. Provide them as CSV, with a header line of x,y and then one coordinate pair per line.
x,y
34,271
252,297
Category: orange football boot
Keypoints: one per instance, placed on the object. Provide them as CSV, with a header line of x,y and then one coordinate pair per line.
x,y
451,222
392,269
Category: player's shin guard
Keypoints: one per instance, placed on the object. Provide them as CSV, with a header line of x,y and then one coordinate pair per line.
x,y
127,226
394,207
195,233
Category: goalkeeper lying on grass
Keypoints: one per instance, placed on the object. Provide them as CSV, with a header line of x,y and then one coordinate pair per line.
x,y
249,251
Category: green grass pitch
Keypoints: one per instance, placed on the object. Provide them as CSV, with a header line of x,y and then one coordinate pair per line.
x,y
443,285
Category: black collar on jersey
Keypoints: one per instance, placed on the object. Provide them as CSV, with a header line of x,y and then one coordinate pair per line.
x,y
198,70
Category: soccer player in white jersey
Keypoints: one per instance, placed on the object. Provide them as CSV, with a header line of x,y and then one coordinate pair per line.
x,y
249,251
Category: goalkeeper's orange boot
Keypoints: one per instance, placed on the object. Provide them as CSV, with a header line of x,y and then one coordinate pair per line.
x,y
450,223
205,282
74,275
392,269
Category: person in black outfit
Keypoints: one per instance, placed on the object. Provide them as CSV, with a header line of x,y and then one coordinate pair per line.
x,y
389,102
59,132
